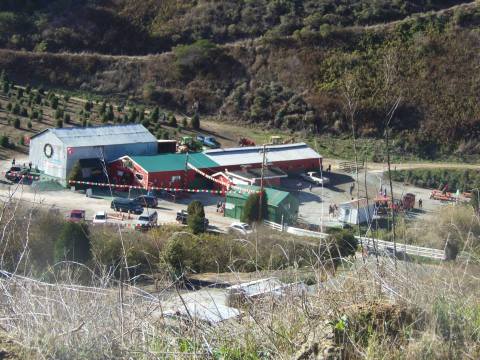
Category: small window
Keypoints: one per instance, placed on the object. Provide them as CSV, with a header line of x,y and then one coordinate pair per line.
x,y
176,178
139,176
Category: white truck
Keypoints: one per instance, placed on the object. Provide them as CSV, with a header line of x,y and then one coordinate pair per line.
x,y
315,178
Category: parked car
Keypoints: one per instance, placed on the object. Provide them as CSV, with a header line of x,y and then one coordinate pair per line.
x,y
148,201
15,174
126,205
76,216
182,217
240,228
147,221
100,217
314,177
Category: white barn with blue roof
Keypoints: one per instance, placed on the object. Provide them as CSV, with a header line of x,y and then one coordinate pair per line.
x,y
55,151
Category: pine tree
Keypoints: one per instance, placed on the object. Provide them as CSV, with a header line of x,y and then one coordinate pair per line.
x,y
251,210
155,115
196,122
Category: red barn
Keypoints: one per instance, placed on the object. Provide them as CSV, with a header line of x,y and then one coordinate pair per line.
x,y
163,170
238,165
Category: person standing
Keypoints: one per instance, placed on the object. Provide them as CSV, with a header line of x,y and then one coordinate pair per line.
x,y
351,188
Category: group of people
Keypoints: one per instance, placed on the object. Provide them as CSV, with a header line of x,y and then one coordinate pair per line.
x,y
332,210
220,206
329,168
29,164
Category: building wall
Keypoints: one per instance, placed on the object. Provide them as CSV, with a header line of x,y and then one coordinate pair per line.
x,y
55,165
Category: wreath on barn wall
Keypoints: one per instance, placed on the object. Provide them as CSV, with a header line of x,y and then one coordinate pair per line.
x,y
48,150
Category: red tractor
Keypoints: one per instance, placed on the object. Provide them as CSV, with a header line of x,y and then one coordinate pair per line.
x,y
245,142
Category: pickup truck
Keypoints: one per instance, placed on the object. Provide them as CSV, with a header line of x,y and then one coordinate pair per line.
x,y
208,141
314,177
182,218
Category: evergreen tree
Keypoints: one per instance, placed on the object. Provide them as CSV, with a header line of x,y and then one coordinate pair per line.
x,y
172,120
16,123
155,115
16,109
73,243
196,217
196,122
251,210
76,172
54,102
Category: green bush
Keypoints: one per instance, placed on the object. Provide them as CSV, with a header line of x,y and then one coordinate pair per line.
x,y
29,125
4,141
182,253
17,123
59,123
197,57
73,243
343,243
463,180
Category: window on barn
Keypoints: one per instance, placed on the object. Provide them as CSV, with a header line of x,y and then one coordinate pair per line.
x,y
139,176
176,178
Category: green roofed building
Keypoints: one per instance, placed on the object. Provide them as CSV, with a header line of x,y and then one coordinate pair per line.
x,y
163,170
280,204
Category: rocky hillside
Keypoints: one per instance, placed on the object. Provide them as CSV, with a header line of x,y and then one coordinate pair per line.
x,y
281,64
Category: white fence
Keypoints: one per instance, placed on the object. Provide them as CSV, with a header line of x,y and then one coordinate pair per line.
x,y
369,243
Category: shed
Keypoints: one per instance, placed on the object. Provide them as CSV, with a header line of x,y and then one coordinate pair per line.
x,y
55,151
357,211
281,204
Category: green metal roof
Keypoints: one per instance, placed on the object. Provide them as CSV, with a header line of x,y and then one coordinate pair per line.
x,y
173,162
274,197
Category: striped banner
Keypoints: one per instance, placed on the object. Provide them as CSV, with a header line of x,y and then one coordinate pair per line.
x,y
126,187
119,186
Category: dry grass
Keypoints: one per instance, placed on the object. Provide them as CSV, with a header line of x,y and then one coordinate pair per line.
x,y
373,309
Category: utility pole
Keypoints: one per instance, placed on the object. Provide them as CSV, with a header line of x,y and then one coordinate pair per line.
x,y
260,213
186,171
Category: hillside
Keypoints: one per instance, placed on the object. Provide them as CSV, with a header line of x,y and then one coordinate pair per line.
x,y
285,78
146,26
